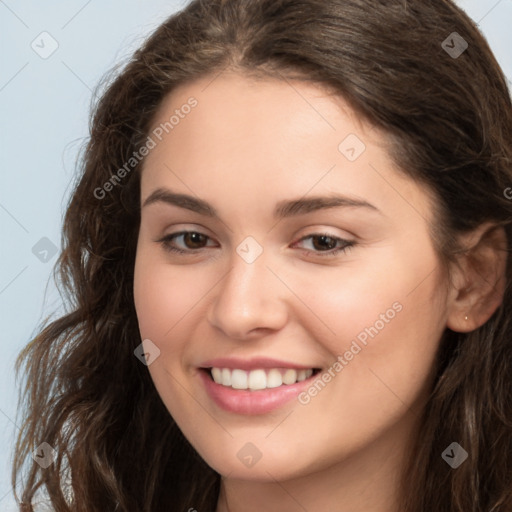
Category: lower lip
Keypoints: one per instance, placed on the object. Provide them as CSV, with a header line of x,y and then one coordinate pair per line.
x,y
243,401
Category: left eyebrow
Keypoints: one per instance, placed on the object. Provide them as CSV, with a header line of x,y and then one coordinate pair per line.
x,y
311,204
288,208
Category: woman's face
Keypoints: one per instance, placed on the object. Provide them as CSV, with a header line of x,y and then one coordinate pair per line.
x,y
307,252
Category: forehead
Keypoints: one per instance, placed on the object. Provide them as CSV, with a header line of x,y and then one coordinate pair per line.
x,y
267,138
231,97
269,123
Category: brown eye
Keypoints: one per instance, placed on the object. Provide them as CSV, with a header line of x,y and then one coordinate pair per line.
x,y
194,240
323,244
184,241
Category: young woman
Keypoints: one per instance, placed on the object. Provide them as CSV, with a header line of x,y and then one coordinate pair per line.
x,y
287,267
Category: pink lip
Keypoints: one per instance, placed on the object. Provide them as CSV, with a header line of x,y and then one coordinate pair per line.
x,y
241,401
251,364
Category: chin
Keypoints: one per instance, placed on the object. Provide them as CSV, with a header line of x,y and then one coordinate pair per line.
x,y
245,461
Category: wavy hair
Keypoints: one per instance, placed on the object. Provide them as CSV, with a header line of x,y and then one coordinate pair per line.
x,y
450,123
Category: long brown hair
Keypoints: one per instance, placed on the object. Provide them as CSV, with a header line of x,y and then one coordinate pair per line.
x,y
449,117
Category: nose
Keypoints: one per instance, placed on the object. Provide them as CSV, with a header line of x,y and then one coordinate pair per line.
x,y
250,300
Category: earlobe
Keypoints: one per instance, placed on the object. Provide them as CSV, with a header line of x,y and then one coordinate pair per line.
x,y
479,278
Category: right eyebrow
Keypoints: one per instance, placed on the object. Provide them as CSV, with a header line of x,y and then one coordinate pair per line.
x,y
182,200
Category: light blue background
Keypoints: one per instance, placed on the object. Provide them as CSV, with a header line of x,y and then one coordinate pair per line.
x,y
44,119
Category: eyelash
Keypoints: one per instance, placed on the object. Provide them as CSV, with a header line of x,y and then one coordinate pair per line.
x,y
348,244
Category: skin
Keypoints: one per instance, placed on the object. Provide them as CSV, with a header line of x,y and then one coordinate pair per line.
x,y
246,146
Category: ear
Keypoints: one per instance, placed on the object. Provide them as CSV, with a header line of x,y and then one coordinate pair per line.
x,y
478,278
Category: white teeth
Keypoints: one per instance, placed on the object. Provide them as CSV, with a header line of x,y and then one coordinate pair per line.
x,y
217,375
226,377
239,379
260,378
274,379
290,377
257,379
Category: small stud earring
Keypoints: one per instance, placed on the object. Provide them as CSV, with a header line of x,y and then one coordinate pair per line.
x,y
466,317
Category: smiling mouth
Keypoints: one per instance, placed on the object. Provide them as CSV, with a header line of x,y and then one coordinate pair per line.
x,y
258,379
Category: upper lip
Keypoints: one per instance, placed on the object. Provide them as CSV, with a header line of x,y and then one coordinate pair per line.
x,y
251,364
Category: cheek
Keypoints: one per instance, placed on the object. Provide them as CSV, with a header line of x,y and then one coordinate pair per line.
x,y
156,304
164,295
165,298
385,345
387,324
162,302
384,318
389,302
